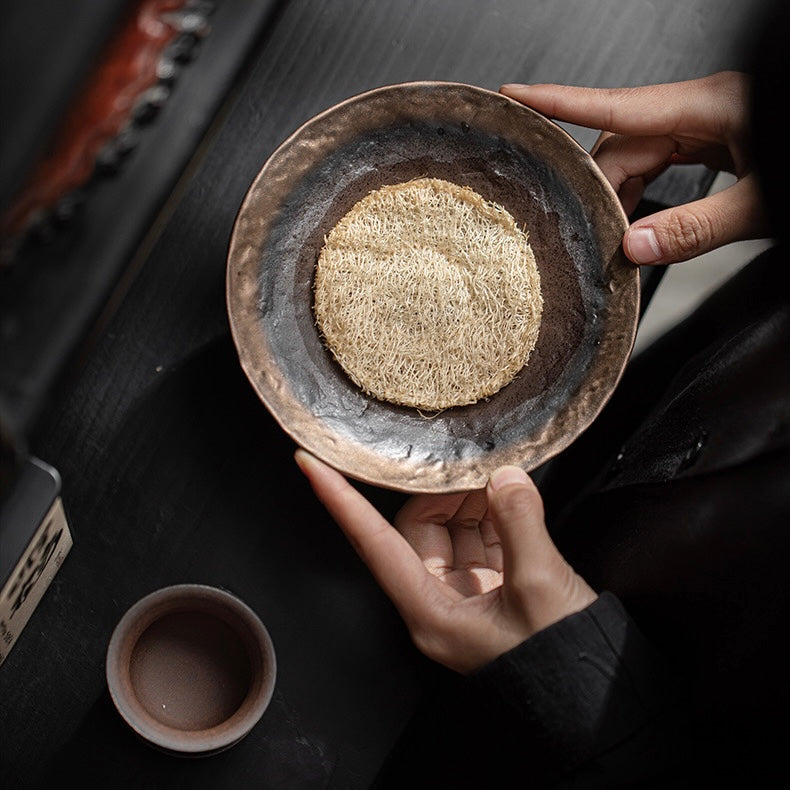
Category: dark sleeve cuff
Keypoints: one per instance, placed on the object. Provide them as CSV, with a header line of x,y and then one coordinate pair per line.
x,y
585,703
588,692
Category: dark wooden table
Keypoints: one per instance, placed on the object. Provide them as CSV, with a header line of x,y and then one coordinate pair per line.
x,y
172,470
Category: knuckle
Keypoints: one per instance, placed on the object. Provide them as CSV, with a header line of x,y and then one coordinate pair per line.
x,y
732,91
539,585
688,232
467,524
518,500
733,84
531,578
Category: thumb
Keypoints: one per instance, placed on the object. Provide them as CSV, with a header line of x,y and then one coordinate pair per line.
x,y
683,232
516,510
537,579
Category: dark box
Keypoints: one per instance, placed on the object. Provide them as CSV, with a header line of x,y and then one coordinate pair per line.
x,y
34,540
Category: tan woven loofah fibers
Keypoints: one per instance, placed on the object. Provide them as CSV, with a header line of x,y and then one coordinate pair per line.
x,y
428,295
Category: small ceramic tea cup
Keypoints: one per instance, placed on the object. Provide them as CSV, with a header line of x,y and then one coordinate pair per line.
x,y
191,669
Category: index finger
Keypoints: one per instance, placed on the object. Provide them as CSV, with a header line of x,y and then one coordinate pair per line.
x,y
692,106
390,558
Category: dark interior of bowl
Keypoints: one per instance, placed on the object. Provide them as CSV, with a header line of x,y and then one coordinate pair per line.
x,y
579,277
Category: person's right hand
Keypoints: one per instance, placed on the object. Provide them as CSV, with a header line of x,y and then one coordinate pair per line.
x,y
473,574
644,131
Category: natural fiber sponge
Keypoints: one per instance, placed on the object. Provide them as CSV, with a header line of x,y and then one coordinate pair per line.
x,y
428,295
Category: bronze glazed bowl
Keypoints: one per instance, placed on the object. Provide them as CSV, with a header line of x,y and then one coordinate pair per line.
x,y
507,153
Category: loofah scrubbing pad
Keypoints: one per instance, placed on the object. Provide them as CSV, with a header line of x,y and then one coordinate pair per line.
x,y
428,295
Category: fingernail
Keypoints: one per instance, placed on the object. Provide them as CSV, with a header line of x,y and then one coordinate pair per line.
x,y
512,86
642,245
507,476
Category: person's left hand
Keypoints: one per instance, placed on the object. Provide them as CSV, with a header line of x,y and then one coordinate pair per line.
x,y
647,129
472,574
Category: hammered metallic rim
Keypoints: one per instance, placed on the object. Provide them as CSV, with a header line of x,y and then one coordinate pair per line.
x,y
267,290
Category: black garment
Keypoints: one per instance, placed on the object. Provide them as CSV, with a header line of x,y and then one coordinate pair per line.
x,y
584,703
675,505
688,525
